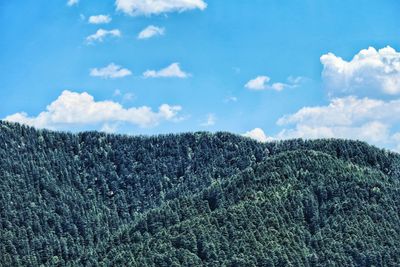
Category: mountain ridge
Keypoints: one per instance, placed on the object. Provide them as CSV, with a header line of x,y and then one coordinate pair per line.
x,y
76,198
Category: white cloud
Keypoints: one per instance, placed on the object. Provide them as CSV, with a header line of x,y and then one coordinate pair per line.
x,y
81,109
151,31
210,121
100,19
150,7
128,97
72,2
369,71
172,70
109,128
111,71
258,134
357,113
346,111
350,117
262,83
125,97
258,83
101,34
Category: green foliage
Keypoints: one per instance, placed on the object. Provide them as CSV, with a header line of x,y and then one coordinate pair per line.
x,y
94,199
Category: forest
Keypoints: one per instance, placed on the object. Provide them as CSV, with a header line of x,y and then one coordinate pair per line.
x,y
195,199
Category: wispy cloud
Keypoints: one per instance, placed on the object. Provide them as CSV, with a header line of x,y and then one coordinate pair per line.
x,y
128,97
125,97
117,92
111,71
210,120
151,31
172,70
262,83
230,99
101,34
154,7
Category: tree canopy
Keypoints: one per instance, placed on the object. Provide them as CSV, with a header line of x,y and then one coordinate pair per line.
x,y
195,199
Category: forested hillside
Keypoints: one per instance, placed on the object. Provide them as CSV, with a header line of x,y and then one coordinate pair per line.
x,y
195,199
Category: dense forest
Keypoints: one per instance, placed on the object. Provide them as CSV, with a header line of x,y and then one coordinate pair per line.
x,y
195,199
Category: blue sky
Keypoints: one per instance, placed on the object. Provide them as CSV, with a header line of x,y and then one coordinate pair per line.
x,y
270,69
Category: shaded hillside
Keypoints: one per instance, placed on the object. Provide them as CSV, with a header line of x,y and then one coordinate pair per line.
x,y
94,199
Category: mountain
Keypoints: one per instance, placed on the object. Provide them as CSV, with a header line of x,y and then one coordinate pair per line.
x,y
195,199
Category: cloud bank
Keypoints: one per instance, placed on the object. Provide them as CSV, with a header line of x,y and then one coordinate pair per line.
x,y
351,117
362,101
72,108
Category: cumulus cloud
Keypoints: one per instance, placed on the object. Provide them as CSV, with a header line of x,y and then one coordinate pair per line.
x,y
147,8
172,70
100,19
111,71
101,34
81,109
210,121
258,83
258,134
370,70
262,83
366,119
72,2
150,31
355,112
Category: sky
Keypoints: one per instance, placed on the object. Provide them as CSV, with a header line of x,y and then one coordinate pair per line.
x,y
266,69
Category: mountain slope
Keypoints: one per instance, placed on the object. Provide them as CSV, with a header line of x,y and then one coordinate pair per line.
x,y
94,199
301,208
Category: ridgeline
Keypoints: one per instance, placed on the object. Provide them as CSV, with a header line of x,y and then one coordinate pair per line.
x,y
195,199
